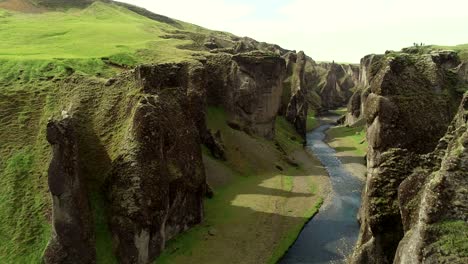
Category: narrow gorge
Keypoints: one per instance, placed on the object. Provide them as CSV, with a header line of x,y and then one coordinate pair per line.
x,y
131,137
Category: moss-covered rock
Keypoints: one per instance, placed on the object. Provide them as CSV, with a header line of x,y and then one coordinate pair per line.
x,y
294,98
249,86
434,202
72,233
410,105
157,183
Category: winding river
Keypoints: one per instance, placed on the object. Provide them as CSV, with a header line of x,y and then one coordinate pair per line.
x,y
330,236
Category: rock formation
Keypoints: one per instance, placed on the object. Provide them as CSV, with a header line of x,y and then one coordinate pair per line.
x,y
294,106
407,111
367,70
463,72
434,201
335,88
249,86
157,184
72,230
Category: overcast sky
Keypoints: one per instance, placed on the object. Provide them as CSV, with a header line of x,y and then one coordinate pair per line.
x,y
340,30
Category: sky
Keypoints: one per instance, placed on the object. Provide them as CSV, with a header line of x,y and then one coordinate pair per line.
x,y
326,30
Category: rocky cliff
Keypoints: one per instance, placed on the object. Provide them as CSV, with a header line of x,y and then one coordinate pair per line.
x,y
149,162
367,70
336,84
249,86
433,201
72,229
157,183
294,102
408,105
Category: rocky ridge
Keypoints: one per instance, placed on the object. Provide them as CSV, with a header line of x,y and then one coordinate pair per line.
x,y
154,180
407,101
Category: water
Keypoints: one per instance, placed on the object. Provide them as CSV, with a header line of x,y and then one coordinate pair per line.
x,y
330,236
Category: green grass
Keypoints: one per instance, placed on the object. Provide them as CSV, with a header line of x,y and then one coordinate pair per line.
x,y
339,111
238,206
292,235
311,122
286,136
453,238
37,52
100,30
22,240
217,212
353,137
98,41
462,50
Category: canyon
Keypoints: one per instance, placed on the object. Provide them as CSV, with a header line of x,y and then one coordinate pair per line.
x,y
191,147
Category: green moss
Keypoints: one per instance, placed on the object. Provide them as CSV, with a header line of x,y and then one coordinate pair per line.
x,y
21,201
216,117
339,111
104,249
286,136
355,138
311,122
452,238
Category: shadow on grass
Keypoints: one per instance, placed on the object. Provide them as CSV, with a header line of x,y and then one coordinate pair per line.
x,y
253,219
340,149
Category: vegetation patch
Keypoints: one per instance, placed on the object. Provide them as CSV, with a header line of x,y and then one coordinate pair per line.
x,y
289,238
354,138
311,122
257,208
452,238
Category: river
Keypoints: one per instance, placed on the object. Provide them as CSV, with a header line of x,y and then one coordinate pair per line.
x,y
330,236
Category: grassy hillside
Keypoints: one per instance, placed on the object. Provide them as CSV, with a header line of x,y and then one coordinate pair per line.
x,y
462,50
61,60
99,40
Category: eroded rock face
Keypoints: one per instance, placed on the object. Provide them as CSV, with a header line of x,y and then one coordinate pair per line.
x,y
463,72
335,91
72,230
434,201
295,103
157,184
407,112
368,68
249,86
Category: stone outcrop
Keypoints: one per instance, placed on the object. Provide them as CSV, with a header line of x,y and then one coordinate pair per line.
x,y
249,87
157,184
407,111
368,68
295,105
72,230
434,201
335,89
463,73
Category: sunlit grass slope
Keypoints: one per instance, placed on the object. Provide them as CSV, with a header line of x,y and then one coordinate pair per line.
x,y
54,61
94,40
261,199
